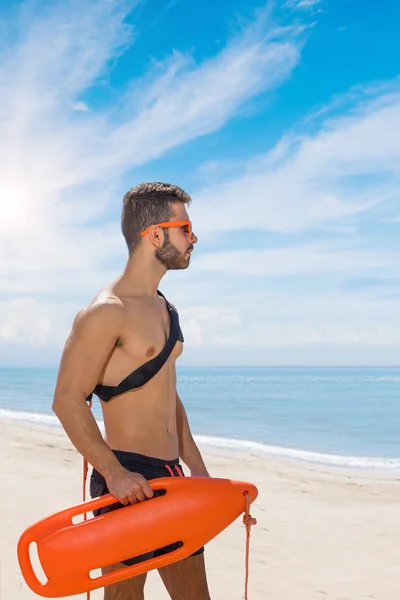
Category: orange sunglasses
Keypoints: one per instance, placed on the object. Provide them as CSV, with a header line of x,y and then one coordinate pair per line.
x,y
168,224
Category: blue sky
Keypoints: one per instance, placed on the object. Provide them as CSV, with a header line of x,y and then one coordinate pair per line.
x,y
282,121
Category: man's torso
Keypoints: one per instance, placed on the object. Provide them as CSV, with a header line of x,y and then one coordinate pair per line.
x,y
142,420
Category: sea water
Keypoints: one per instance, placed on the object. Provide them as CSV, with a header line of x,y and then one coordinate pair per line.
x,y
348,417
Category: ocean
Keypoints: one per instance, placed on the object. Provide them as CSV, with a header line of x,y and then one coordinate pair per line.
x,y
347,417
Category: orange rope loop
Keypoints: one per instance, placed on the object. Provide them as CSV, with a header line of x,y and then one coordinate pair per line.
x,y
85,474
248,520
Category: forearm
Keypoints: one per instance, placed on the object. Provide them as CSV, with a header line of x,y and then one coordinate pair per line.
x,y
80,425
188,450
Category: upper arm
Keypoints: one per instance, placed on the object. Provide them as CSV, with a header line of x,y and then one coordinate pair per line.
x,y
93,336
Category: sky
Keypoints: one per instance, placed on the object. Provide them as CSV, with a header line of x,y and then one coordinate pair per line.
x,y
282,122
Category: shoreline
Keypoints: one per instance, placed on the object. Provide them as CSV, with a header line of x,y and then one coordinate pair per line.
x,y
334,463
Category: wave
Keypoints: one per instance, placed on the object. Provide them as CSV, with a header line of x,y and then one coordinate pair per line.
x,y
258,448
13,416
26,417
363,462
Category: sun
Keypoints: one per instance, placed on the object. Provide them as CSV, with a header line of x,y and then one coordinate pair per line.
x,y
12,204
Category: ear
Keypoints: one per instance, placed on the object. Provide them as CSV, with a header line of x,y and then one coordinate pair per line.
x,y
156,236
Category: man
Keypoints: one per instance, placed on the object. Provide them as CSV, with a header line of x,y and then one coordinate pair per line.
x,y
127,325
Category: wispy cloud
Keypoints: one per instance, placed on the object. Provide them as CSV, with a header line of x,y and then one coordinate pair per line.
x,y
276,318
328,184
310,258
56,157
61,159
390,286
62,49
303,4
348,167
188,101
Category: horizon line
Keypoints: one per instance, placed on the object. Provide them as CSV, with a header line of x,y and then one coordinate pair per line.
x,y
270,366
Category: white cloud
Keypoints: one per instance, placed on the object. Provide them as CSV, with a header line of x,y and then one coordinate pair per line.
x,y
307,3
56,159
324,182
62,50
81,106
24,321
58,156
188,101
303,4
311,258
300,316
348,167
193,334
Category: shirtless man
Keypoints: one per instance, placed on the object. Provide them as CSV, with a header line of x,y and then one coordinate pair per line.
x,y
128,324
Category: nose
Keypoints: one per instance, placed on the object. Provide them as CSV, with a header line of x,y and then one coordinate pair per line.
x,y
194,238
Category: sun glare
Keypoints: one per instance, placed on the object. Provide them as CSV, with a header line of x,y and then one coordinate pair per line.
x,y
12,200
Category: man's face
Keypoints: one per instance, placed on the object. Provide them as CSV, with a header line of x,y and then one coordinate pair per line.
x,y
178,243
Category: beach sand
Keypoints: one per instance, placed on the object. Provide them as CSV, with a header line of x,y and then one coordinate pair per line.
x,y
320,534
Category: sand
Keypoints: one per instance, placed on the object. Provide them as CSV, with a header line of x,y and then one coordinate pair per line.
x,y
321,534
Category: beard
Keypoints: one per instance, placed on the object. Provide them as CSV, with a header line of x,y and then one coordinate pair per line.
x,y
170,257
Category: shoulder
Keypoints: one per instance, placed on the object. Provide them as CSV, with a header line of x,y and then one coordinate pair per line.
x,y
105,311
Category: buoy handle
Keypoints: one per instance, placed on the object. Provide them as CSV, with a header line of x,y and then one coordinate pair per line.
x,y
162,483
24,559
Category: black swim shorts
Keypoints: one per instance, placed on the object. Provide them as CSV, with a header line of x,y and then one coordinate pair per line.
x,y
150,468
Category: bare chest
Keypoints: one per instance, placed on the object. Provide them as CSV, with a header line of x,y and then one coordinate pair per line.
x,y
145,334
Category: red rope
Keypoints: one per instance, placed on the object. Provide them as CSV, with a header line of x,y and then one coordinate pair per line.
x,y
248,520
85,473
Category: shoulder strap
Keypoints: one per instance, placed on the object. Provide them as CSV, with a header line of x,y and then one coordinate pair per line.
x,y
144,373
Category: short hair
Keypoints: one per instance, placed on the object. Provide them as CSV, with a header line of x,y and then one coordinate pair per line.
x,y
147,204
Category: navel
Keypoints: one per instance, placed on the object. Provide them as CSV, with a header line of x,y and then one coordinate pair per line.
x,y
151,351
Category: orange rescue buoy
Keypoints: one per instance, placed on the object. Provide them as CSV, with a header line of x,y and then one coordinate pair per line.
x,y
192,511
